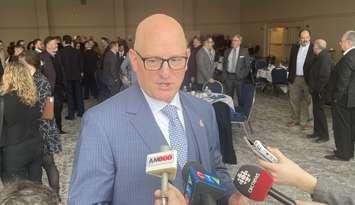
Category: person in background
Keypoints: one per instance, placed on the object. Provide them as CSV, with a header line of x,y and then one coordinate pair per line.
x,y
205,63
236,67
190,76
18,49
21,143
27,192
72,62
322,189
59,43
47,128
2,58
318,79
343,96
121,54
30,45
301,58
52,68
38,45
20,43
10,49
90,59
111,77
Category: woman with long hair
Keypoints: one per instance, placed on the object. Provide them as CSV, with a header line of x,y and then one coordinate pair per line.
x,y
47,128
20,142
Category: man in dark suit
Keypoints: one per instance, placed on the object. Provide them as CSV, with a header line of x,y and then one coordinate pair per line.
x,y
318,78
111,71
344,101
121,55
53,69
301,58
190,75
90,67
73,69
205,63
236,67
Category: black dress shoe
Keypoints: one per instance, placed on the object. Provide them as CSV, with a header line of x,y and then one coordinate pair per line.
x,y
335,158
322,140
62,132
69,118
311,136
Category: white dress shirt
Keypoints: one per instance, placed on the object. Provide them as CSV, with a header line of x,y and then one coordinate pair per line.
x,y
231,69
161,119
347,51
301,58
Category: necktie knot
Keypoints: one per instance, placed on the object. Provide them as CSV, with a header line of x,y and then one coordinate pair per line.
x,y
170,111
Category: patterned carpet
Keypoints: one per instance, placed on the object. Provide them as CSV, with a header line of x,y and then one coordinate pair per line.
x,y
269,118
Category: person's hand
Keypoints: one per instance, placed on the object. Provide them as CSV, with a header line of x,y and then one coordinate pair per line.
x,y
175,197
211,80
308,203
286,172
238,199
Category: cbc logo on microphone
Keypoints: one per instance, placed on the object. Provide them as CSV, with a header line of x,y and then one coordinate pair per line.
x,y
243,177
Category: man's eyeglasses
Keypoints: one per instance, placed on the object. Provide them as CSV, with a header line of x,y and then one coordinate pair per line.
x,y
156,63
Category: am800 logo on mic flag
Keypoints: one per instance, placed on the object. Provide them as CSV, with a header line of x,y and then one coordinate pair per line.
x,y
162,162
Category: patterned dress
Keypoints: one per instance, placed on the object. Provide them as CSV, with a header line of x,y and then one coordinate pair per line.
x,y
47,128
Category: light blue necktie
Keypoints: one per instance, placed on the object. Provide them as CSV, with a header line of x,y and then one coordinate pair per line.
x,y
177,136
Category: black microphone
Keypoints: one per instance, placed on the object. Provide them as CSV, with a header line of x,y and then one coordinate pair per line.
x,y
202,188
256,184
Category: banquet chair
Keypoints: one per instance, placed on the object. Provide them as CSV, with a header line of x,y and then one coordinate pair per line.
x,y
216,87
242,113
279,78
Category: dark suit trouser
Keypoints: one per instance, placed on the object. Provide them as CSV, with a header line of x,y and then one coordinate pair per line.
x,y
22,161
344,129
58,107
319,117
234,85
75,98
90,86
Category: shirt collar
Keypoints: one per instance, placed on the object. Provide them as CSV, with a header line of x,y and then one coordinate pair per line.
x,y
347,51
157,105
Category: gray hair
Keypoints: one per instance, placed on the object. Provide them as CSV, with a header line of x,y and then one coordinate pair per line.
x,y
350,36
238,36
320,43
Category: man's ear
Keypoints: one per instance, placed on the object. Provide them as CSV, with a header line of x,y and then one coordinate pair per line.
x,y
134,60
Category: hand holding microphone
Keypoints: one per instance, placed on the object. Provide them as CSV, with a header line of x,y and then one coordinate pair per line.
x,y
175,197
286,172
163,164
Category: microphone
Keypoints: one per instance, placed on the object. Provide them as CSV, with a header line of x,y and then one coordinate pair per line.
x,y
202,188
256,184
163,164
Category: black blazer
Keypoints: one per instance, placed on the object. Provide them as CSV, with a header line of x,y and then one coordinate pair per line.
x,y
320,72
293,63
344,88
51,67
72,61
21,122
90,62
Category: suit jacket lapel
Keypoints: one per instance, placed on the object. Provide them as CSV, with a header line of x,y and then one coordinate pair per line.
x,y
198,129
143,120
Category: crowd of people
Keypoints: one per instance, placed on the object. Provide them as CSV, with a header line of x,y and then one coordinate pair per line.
x,y
39,78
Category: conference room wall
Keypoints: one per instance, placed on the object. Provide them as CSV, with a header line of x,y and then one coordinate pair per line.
x,y
325,18
29,19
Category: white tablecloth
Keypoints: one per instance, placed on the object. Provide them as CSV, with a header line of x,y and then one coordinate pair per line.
x,y
215,97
